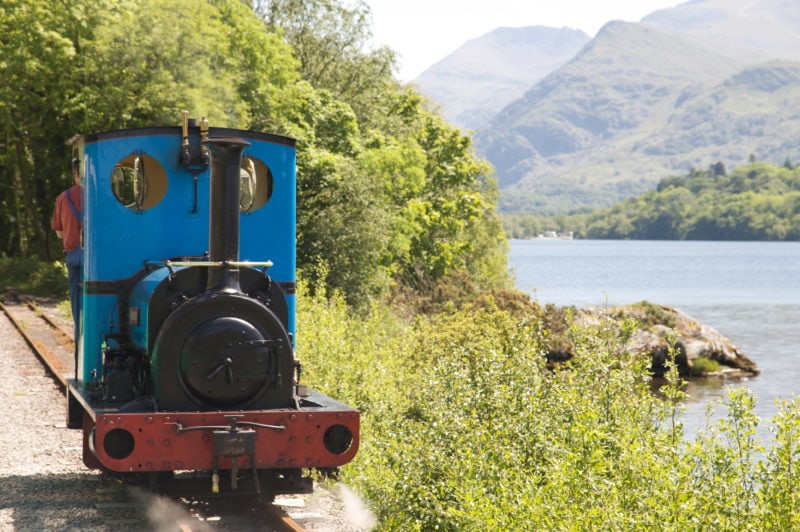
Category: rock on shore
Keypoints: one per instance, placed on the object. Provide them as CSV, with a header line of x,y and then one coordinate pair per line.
x,y
699,349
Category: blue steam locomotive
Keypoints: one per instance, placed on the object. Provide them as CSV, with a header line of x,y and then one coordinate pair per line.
x,y
185,358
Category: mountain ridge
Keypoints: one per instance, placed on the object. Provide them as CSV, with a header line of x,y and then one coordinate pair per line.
x,y
643,101
476,80
577,107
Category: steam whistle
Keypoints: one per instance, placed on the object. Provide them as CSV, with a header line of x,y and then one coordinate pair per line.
x,y
203,133
194,156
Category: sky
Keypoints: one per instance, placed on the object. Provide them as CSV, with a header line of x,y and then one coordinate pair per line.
x,y
425,31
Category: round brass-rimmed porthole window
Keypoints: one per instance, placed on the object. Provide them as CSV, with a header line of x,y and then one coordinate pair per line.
x,y
139,182
255,185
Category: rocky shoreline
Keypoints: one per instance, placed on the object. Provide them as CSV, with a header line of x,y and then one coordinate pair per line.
x,y
646,329
663,332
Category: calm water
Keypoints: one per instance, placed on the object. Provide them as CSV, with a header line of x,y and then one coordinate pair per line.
x,y
749,291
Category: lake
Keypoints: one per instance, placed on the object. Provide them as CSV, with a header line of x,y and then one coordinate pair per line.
x,y
748,291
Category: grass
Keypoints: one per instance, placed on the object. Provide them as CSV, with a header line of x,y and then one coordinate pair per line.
x,y
703,366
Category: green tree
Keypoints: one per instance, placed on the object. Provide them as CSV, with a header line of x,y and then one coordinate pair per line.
x,y
329,40
753,202
89,66
454,215
717,169
410,187
39,42
211,58
385,187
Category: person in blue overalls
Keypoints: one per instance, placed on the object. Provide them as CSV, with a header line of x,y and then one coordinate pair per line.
x,y
68,225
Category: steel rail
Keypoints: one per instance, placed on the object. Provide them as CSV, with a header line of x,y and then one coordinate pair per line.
x,y
68,335
53,364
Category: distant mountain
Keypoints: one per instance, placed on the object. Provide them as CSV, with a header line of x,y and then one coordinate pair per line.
x,y
690,86
476,81
569,138
759,30
754,112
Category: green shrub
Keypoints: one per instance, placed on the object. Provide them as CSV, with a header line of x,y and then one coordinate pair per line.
x,y
34,276
49,279
464,427
655,314
15,271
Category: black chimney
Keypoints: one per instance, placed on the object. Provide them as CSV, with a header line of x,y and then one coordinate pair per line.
x,y
223,231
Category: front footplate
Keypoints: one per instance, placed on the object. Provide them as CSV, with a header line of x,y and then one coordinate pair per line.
x,y
321,433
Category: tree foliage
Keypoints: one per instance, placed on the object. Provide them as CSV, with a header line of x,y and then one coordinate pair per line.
x,y
385,187
329,40
38,47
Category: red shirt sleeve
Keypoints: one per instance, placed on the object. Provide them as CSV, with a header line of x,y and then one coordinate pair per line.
x,y
64,220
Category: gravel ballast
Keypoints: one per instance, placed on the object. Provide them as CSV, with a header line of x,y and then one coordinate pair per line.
x,y
43,483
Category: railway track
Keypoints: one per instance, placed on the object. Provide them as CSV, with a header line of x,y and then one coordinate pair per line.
x,y
51,342
48,339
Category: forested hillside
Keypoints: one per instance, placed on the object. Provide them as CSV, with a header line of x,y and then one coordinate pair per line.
x,y
388,192
567,142
759,201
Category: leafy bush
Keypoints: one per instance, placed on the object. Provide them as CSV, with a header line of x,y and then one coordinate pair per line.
x,y
49,279
34,276
464,427
655,314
